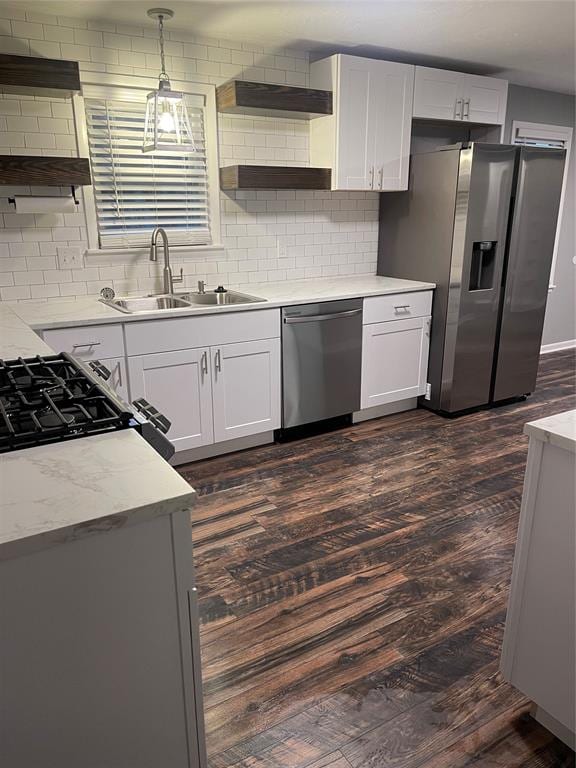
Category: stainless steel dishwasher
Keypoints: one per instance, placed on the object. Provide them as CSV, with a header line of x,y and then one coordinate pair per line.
x,y
321,360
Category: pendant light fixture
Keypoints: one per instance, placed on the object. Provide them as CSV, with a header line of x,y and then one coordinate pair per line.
x,y
167,125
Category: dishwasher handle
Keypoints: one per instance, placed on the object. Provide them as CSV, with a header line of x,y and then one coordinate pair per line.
x,y
315,318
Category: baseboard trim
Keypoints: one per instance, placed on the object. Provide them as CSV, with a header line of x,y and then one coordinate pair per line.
x,y
377,411
217,449
557,346
559,730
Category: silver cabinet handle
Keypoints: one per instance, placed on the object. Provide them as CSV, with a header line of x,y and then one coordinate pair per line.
x,y
398,307
380,177
218,361
466,113
204,362
314,318
87,344
371,175
458,109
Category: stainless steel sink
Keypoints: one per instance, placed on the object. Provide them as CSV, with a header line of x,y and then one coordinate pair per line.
x,y
215,298
133,304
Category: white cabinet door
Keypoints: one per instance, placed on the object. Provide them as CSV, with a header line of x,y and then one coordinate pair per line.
x,y
394,360
354,164
366,141
391,98
246,387
438,94
178,385
118,380
485,100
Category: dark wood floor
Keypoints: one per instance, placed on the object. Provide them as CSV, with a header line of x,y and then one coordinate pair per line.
x,y
353,589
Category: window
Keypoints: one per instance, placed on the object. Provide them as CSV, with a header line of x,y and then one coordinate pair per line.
x,y
132,192
554,137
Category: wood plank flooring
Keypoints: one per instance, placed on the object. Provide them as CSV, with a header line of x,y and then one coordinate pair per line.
x,y
353,590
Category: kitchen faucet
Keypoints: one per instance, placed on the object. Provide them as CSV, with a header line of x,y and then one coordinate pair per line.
x,y
169,280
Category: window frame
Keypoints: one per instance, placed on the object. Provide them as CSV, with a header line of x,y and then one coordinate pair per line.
x,y
548,132
109,83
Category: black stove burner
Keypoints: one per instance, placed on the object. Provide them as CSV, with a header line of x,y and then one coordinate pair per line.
x,y
45,399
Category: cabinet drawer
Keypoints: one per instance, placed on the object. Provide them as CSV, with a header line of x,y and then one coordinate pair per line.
x,y
150,336
380,309
92,342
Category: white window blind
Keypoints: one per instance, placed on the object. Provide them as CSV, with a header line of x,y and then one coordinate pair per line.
x,y
135,192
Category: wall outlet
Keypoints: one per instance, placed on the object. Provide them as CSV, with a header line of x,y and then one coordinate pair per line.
x,y
70,257
280,248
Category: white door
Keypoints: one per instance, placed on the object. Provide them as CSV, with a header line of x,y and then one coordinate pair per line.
x,y
485,100
438,94
391,96
178,385
394,360
118,380
354,168
246,388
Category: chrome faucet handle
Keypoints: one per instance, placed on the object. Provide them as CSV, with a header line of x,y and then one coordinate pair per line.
x,y
179,279
201,286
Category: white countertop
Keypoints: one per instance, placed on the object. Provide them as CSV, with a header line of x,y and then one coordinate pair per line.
x,y
56,493
89,311
559,430
17,339
60,492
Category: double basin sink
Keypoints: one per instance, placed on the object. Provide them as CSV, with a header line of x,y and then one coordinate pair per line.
x,y
134,304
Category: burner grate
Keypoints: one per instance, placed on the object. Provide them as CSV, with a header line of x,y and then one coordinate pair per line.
x,y
45,399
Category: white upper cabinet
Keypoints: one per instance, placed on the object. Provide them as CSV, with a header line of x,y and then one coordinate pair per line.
x,y
366,141
440,94
485,100
437,94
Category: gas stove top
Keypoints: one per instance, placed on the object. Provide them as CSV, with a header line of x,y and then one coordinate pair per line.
x,y
54,398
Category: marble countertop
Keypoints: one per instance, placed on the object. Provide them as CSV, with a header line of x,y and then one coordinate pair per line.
x,y
44,315
62,491
57,493
559,430
17,339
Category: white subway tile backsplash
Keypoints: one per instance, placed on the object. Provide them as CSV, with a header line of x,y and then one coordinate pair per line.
x,y
267,235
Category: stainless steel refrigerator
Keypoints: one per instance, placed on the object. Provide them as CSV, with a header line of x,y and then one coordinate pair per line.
x,y
479,220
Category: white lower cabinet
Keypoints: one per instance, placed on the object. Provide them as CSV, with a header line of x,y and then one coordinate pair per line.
x,y
212,394
178,384
118,380
246,388
394,360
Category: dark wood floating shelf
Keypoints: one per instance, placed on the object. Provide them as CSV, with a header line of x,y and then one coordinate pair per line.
x,y
45,77
273,177
239,96
44,171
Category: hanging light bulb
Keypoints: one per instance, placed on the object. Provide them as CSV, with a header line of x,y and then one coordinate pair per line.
x,y
167,125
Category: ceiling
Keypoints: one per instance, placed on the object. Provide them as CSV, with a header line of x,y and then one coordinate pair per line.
x,y
529,42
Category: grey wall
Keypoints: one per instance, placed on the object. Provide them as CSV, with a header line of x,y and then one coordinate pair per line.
x,y
537,106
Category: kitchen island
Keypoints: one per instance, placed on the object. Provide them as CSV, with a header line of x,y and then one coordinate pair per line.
x,y
539,651
98,650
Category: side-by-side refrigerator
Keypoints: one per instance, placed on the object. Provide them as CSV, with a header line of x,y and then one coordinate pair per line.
x,y
479,220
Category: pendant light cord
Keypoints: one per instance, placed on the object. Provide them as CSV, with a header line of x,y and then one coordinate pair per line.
x,y
163,73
